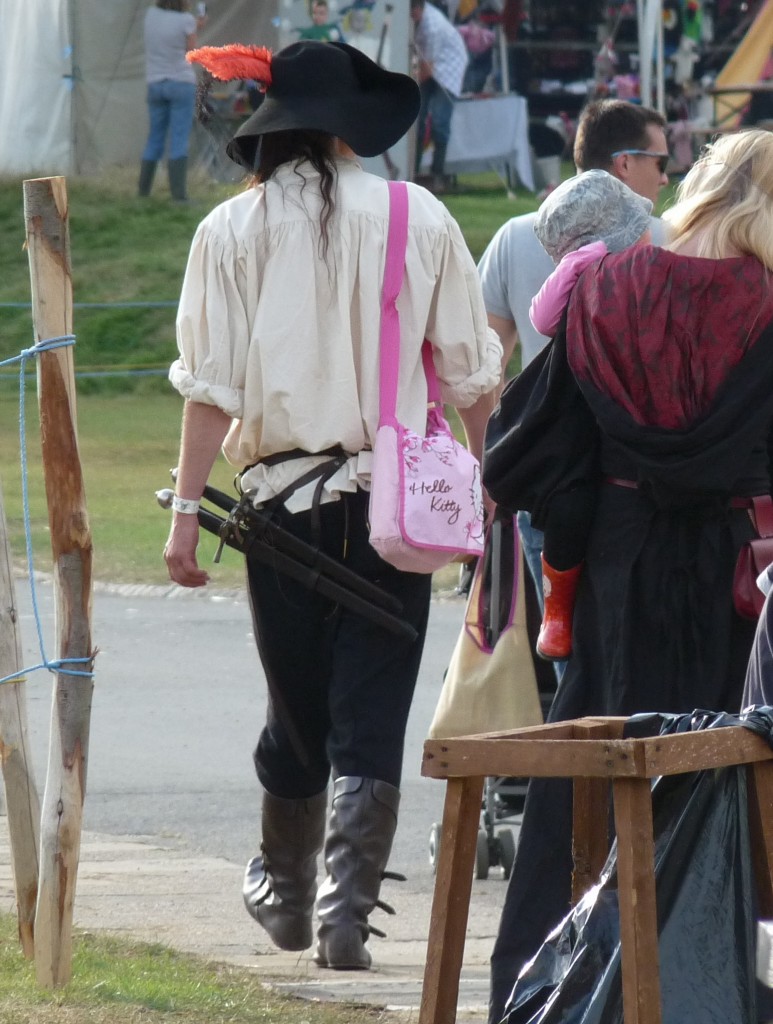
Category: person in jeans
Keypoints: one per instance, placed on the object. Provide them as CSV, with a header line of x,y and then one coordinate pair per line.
x,y
170,31
443,60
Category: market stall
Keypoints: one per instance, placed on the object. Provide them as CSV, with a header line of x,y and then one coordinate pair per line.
x,y
491,134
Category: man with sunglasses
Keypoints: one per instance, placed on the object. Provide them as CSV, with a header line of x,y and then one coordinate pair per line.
x,y
629,142
662,158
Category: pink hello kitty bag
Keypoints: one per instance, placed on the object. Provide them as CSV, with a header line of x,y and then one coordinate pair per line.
x,y
426,503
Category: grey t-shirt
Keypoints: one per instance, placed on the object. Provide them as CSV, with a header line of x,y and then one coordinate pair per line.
x,y
165,45
513,269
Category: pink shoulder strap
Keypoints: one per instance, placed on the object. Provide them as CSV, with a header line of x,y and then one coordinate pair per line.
x,y
389,343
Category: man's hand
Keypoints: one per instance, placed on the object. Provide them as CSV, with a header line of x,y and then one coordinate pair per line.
x,y
180,552
204,428
424,71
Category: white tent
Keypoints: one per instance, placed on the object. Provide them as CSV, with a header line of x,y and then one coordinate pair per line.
x,y
72,85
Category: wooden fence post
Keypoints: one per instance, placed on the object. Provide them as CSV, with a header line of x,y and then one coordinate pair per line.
x,y
21,796
46,217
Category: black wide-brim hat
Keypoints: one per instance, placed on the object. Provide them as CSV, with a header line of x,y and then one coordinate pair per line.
x,y
333,88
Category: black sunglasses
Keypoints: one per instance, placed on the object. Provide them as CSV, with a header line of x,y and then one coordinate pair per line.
x,y
662,158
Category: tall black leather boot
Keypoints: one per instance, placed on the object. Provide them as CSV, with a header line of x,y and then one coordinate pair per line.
x,y
147,174
362,826
178,176
280,884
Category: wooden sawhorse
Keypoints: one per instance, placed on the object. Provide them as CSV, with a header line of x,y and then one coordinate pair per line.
x,y
593,753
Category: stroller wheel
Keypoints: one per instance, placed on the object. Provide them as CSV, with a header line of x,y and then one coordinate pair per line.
x,y
482,855
434,846
506,851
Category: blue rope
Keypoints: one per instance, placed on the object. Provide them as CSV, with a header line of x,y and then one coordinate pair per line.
x,y
62,341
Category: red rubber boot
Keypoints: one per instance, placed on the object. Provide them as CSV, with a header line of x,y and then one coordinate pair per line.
x,y
554,642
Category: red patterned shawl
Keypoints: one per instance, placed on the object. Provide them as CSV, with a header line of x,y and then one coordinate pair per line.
x,y
658,332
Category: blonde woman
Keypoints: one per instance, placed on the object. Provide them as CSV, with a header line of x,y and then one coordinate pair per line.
x,y
666,369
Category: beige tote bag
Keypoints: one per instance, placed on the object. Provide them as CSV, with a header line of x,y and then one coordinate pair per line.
x,y
488,689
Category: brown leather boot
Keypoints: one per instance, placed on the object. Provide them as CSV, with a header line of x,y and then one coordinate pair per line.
x,y
554,642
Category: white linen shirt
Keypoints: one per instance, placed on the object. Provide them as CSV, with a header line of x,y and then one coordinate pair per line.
x,y
285,337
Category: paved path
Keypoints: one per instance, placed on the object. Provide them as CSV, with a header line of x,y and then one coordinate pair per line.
x,y
170,816
142,889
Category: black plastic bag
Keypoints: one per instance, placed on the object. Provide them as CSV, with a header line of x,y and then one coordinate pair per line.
x,y
705,898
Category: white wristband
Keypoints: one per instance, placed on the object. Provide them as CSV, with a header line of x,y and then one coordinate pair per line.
x,y
188,506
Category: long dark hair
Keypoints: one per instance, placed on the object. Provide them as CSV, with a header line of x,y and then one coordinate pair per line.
x,y
279,148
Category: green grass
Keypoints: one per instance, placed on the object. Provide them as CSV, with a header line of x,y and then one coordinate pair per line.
x,y
127,250
119,982
482,207
128,443
122,250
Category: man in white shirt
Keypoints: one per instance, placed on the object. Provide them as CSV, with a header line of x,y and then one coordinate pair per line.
x,y
442,62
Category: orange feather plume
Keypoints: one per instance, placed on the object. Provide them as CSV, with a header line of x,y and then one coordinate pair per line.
x,y
234,61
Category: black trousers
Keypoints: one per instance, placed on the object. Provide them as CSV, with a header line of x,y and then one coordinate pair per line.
x,y
340,686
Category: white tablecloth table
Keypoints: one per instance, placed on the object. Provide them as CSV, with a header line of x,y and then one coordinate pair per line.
x,y
491,133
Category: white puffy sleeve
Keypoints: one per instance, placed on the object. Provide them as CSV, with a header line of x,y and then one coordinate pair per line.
x,y
468,353
212,326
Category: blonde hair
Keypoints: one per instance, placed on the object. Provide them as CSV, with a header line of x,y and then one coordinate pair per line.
x,y
725,202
